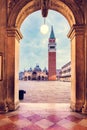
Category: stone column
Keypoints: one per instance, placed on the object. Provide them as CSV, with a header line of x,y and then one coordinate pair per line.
x,y
3,47
76,35
84,110
13,37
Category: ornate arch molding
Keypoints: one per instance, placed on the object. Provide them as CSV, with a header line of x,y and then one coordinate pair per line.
x,y
70,9
20,9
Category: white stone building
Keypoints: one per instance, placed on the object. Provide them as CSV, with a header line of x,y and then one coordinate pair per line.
x,y
64,74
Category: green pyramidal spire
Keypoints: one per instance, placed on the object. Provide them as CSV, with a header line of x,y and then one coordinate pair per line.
x,y
52,36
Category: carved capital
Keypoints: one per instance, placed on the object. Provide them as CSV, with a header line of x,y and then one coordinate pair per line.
x,y
13,32
76,30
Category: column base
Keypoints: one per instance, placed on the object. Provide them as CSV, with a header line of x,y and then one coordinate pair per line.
x,y
84,109
8,106
3,107
12,106
76,107
52,78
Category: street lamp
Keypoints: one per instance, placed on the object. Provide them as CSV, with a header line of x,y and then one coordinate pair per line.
x,y
44,28
44,8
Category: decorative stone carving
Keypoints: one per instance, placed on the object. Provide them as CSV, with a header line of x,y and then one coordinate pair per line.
x,y
78,1
62,8
3,107
44,7
11,4
79,4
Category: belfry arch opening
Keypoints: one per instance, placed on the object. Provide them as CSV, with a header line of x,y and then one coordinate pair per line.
x,y
20,10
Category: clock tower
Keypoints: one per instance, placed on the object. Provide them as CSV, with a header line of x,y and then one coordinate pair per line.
x,y
52,56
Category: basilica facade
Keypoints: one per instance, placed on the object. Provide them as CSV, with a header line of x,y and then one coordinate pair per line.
x,y
34,74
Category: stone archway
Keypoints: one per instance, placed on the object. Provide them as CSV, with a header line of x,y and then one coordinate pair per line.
x,y
14,12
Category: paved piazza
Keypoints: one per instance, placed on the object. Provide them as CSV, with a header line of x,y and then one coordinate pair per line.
x,y
46,91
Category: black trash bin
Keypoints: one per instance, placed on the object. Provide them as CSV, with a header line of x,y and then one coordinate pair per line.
x,y
21,94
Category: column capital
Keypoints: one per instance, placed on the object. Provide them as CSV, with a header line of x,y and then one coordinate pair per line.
x,y
14,32
76,30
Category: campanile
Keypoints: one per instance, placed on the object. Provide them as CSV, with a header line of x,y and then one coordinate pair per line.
x,y
52,56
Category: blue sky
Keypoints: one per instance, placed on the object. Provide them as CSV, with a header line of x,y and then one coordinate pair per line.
x,y
34,45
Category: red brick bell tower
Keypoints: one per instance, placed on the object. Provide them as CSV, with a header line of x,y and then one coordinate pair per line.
x,y
52,56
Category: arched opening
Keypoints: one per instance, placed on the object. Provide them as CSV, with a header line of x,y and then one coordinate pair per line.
x,y
76,22
34,47
29,78
39,78
25,78
34,75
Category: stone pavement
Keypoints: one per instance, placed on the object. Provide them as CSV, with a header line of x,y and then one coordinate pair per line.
x,y
43,116
46,91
